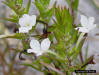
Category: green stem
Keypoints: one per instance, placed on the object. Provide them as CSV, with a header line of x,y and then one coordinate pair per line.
x,y
4,36
79,40
42,22
77,45
51,52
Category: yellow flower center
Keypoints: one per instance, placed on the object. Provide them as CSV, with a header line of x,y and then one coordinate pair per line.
x,y
27,24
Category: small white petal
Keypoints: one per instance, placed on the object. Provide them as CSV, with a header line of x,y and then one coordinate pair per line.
x,y
83,29
27,21
45,44
92,27
30,51
35,45
84,21
25,15
39,53
23,20
23,30
32,20
91,21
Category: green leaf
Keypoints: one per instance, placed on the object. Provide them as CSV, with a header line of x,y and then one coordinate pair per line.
x,y
46,60
51,28
33,28
25,44
11,19
28,6
78,46
63,20
31,65
16,6
87,62
86,53
79,40
75,4
43,3
10,4
43,8
69,2
20,2
15,36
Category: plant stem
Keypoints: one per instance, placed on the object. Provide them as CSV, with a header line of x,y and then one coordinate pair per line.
x,y
42,22
52,68
79,39
51,52
81,57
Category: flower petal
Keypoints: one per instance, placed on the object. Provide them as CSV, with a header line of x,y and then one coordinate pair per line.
x,y
25,15
29,27
84,21
23,30
23,20
45,44
32,20
38,53
91,21
27,20
30,51
35,45
83,29
92,27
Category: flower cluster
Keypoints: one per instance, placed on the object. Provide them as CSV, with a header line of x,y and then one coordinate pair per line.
x,y
87,24
26,23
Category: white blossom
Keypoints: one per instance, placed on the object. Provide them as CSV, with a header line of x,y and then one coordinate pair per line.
x,y
38,48
87,24
26,23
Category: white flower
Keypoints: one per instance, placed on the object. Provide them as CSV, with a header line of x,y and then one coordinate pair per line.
x,y
26,22
87,24
38,48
